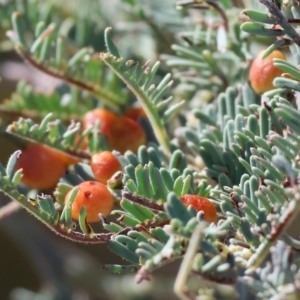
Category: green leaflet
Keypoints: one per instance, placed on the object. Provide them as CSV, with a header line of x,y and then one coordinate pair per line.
x,y
260,17
123,251
261,30
142,214
176,209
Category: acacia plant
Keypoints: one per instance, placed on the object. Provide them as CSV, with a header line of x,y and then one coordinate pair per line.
x,y
204,128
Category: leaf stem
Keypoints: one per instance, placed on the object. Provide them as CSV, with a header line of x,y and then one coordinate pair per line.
x,y
148,106
286,219
108,98
142,201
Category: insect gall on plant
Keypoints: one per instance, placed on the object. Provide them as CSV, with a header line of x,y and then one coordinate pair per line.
x,y
95,197
201,204
103,116
42,166
263,72
104,165
126,134
134,113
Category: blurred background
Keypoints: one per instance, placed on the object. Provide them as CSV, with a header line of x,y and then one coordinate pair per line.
x,y
35,263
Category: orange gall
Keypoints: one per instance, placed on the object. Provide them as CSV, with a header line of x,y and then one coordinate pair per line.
x,y
104,165
134,113
201,203
95,197
263,72
42,166
103,116
126,134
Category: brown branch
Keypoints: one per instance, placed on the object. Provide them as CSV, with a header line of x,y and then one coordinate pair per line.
x,y
143,201
214,278
208,4
282,21
62,76
221,12
79,237
294,21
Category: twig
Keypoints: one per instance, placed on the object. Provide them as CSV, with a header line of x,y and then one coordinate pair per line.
x,y
221,12
285,220
143,201
79,237
282,21
62,76
208,4
9,209
187,264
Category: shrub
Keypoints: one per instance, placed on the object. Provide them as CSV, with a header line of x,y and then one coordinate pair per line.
x,y
206,133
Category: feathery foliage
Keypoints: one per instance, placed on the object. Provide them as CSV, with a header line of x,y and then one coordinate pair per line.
x,y
209,134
